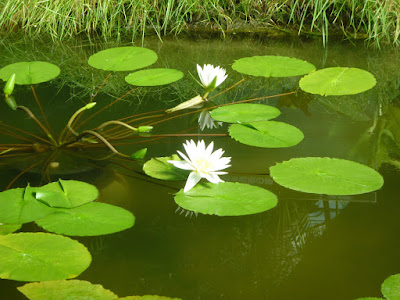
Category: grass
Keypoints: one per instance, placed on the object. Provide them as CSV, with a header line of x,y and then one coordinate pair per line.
x,y
375,20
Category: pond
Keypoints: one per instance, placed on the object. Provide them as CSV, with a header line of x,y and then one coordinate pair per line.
x,y
310,246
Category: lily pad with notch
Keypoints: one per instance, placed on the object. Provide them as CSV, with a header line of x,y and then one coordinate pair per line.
x,y
267,134
66,289
153,77
30,72
226,199
158,167
123,59
88,220
324,175
244,113
272,66
337,81
41,256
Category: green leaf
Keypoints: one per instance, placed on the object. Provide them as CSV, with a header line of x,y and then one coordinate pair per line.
x,y
370,298
337,81
244,113
66,193
268,134
324,175
88,220
391,287
226,199
18,206
148,297
272,66
41,256
139,154
123,59
66,289
159,168
30,72
9,228
153,77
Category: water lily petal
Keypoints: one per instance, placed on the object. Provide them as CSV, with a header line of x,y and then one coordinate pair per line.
x,y
181,164
212,177
192,180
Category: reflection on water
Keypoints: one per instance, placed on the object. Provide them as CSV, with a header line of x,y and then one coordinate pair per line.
x,y
308,247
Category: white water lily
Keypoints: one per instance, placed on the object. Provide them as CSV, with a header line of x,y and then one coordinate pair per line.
x,y
203,162
211,76
205,120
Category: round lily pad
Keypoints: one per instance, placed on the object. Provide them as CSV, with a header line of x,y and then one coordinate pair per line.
x,y
267,134
226,199
244,113
272,66
391,287
337,81
324,175
41,256
66,289
88,220
153,77
159,168
148,297
123,59
30,72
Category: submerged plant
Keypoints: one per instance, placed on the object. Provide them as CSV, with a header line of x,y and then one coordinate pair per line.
x,y
202,162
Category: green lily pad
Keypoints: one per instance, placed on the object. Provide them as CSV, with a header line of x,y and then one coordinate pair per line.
x,y
123,59
268,134
244,113
66,289
9,228
159,168
324,175
337,81
272,66
153,77
30,72
148,297
66,193
18,206
391,287
41,256
88,220
226,199
370,298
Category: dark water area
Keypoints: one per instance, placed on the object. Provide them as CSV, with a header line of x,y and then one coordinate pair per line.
x,y
308,247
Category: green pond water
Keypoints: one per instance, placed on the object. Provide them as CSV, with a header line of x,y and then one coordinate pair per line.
x,y
308,247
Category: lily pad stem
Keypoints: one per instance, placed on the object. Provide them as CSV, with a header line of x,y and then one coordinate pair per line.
x,y
103,139
118,123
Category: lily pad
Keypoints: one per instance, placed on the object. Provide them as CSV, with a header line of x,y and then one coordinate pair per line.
x,y
153,77
30,72
18,206
272,66
88,220
324,175
66,193
41,256
244,113
9,228
337,81
226,199
66,289
159,168
267,134
148,297
123,59
391,287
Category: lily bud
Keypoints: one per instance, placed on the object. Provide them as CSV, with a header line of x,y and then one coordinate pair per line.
x,y
139,154
11,102
90,105
9,87
145,128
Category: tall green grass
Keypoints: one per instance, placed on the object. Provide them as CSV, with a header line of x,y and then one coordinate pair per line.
x,y
375,20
